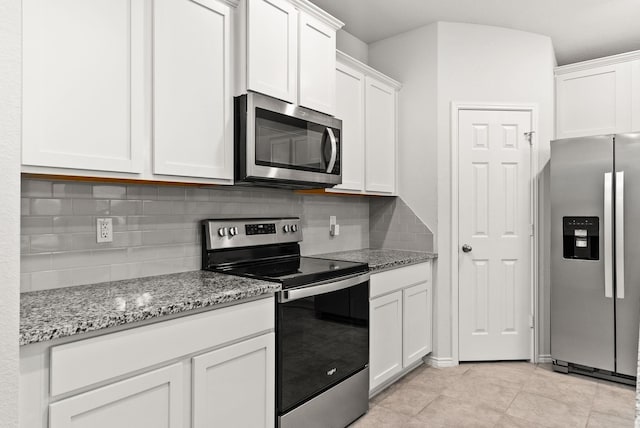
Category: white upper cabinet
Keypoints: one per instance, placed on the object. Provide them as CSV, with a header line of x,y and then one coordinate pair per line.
x,y
350,109
380,135
286,49
136,89
192,99
317,57
366,102
598,97
272,55
83,84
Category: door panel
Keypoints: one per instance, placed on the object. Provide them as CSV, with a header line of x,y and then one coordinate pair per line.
x,y
627,158
582,321
494,219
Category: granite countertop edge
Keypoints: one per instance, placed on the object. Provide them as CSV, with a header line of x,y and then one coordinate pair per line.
x,y
47,315
381,259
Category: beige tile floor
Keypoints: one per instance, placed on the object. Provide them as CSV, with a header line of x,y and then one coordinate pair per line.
x,y
500,394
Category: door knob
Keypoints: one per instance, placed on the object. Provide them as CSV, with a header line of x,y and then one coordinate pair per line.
x,y
466,248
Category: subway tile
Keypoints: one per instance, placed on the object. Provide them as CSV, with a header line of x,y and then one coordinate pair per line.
x,y
109,256
146,192
125,271
49,279
25,282
107,191
90,275
36,188
25,206
35,262
72,190
122,207
51,242
170,251
25,244
142,253
135,222
119,223
196,194
34,225
157,207
50,207
98,207
71,259
73,224
170,193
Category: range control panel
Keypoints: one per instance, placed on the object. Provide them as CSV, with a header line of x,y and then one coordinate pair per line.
x,y
581,240
247,232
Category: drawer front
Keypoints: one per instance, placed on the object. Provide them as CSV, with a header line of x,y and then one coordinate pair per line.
x,y
396,279
87,362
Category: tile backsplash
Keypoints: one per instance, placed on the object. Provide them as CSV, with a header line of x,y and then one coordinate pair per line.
x,y
392,224
156,227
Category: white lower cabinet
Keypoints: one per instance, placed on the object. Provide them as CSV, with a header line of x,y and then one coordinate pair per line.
x,y
234,386
210,369
386,338
150,400
400,322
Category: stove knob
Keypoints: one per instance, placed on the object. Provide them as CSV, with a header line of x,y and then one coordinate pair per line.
x,y
294,227
233,231
222,231
285,228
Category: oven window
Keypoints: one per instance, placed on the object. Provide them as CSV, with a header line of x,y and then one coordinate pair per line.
x,y
288,142
321,340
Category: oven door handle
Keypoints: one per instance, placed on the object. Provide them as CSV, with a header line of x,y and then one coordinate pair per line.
x,y
322,288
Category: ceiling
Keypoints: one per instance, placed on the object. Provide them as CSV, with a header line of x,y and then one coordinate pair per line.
x,y
580,29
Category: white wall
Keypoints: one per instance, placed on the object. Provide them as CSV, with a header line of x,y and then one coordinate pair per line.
x,y
10,56
474,63
352,46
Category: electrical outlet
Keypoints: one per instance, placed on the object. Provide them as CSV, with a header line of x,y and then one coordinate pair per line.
x,y
104,230
334,227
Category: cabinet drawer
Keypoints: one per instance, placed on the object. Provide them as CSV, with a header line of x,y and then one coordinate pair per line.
x,y
396,279
87,362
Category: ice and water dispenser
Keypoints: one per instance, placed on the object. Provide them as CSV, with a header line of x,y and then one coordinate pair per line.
x,y
581,240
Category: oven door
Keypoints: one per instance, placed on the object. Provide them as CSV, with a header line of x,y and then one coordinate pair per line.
x,y
322,338
290,143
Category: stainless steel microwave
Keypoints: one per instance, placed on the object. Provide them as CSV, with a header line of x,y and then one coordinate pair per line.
x,y
283,145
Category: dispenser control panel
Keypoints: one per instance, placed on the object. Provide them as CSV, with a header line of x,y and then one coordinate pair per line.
x,y
581,240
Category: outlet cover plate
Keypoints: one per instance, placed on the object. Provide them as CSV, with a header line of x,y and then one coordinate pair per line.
x,y
104,230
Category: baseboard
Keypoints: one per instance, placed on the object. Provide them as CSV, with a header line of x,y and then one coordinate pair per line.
x,y
544,358
440,362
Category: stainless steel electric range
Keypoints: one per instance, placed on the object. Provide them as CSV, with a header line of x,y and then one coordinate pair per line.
x,y
322,317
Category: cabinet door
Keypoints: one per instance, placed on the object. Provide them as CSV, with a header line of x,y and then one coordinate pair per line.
x,y
317,64
416,341
272,39
193,121
350,109
594,102
83,93
151,400
385,352
235,386
380,137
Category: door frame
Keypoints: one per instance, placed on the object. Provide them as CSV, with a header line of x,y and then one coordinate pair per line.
x,y
456,107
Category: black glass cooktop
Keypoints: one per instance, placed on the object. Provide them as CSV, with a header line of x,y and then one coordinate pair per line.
x,y
297,271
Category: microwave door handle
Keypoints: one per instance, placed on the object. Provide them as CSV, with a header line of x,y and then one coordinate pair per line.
x,y
334,150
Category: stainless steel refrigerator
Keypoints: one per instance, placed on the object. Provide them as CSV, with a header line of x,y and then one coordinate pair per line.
x,y
595,255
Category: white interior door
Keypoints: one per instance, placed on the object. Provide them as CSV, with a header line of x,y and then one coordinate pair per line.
x,y
494,235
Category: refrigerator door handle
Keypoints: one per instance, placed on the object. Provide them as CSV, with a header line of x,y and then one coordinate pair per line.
x,y
620,235
608,238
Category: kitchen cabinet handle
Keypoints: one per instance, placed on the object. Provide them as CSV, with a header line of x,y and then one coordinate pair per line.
x,y
334,150
608,235
620,235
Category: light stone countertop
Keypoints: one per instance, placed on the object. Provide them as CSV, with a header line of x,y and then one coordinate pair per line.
x,y
381,259
63,312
